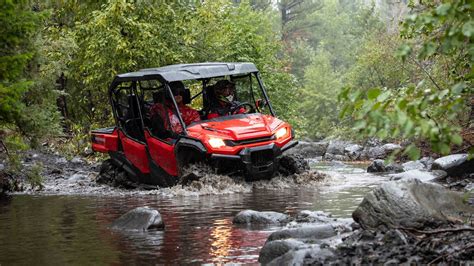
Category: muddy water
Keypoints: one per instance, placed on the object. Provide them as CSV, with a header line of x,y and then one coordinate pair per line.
x,y
56,229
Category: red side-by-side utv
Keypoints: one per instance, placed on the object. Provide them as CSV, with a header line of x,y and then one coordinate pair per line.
x,y
250,142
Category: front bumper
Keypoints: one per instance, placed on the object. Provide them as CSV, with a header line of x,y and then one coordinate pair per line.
x,y
259,162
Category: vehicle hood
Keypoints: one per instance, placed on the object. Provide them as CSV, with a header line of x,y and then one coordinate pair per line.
x,y
237,127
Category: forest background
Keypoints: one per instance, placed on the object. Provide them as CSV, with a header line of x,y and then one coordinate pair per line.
x,y
397,70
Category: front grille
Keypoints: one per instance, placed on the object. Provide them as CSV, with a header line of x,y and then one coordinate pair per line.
x,y
260,158
248,141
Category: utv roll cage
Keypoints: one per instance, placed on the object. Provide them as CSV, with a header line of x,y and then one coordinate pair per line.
x,y
182,72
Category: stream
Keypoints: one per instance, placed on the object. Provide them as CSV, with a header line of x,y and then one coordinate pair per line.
x,y
72,228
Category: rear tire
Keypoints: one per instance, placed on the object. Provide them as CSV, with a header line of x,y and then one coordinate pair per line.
x,y
293,164
112,175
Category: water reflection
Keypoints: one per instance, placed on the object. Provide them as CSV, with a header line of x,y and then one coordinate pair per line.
x,y
74,230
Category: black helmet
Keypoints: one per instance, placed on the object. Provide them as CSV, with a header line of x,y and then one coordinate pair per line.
x,y
177,87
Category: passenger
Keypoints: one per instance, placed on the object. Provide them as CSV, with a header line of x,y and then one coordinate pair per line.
x,y
224,103
188,114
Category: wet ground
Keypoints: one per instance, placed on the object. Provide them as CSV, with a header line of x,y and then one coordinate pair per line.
x,y
67,222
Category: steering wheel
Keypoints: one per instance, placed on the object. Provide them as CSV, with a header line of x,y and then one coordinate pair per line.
x,y
248,110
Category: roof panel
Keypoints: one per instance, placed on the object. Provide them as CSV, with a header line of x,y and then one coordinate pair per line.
x,y
191,71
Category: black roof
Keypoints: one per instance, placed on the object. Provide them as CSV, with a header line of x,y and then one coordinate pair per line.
x,y
190,71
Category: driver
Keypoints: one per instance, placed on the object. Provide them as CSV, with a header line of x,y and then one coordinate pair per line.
x,y
224,92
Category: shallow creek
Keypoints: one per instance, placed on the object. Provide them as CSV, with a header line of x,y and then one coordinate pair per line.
x,y
52,227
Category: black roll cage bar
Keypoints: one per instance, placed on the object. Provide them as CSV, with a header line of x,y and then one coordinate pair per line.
x,y
117,81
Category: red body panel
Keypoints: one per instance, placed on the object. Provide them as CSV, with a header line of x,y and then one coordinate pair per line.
x,y
103,142
135,152
162,154
249,127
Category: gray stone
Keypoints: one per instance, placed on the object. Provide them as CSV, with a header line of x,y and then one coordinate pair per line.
x,y
427,162
328,156
411,204
377,166
77,160
309,149
390,147
78,177
139,219
318,217
353,151
394,168
61,160
306,232
421,175
2,166
255,217
337,147
374,153
275,249
413,165
455,164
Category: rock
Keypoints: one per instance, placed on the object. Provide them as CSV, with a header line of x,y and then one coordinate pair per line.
x,y
77,160
337,147
455,165
255,217
307,232
56,171
2,167
139,219
300,256
318,217
377,166
424,176
390,147
309,149
373,153
411,204
61,160
413,165
78,177
275,249
394,168
87,152
427,162
353,151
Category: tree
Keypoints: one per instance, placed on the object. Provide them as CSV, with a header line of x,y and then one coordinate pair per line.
x,y
433,104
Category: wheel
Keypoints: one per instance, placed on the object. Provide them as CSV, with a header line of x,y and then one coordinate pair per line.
x,y
112,175
293,164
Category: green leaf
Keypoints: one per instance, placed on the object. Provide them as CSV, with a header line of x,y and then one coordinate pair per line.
x,y
443,9
456,139
404,51
384,96
468,28
373,93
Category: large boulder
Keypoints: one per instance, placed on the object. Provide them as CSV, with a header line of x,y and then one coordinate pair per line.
x,y
139,219
337,147
353,151
309,149
424,176
255,217
274,249
456,165
413,165
411,204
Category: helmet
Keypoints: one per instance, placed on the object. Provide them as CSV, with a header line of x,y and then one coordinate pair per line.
x,y
224,90
177,87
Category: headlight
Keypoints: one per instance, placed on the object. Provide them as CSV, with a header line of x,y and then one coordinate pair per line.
x,y
281,132
216,142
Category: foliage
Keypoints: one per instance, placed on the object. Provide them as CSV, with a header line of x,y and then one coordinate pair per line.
x,y
34,177
430,105
330,51
24,104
